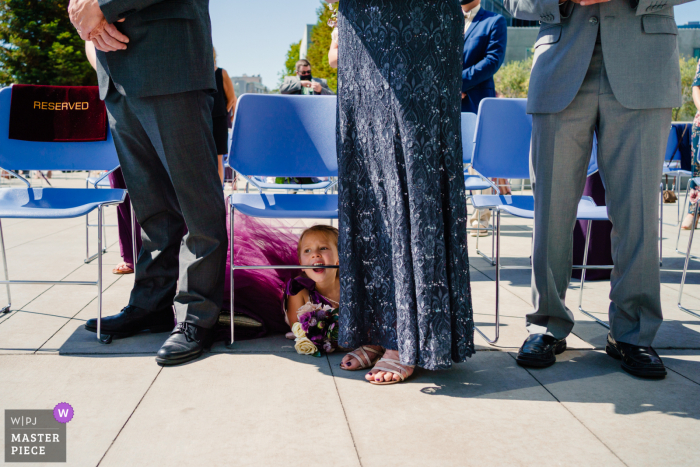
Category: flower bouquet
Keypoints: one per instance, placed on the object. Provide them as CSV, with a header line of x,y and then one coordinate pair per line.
x,y
317,329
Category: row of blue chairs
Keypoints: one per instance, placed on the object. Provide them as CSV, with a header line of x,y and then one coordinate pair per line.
x,y
275,135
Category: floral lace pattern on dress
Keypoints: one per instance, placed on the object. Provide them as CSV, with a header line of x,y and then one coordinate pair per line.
x,y
403,240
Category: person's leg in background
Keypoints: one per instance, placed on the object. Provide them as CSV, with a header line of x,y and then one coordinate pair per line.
x,y
480,218
116,180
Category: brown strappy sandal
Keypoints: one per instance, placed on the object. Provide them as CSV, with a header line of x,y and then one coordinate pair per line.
x,y
364,359
398,369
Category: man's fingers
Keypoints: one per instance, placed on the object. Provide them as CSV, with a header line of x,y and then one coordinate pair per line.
x,y
101,45
115,33
592,2
111,41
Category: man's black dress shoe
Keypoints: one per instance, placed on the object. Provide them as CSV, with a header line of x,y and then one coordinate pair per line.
x,y
636,360
540,350
186,342
132,320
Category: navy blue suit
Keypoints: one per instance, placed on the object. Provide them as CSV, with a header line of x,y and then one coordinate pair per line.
x,y
484,51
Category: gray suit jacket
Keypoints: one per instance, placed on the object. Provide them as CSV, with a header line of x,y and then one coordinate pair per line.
x,y
639,49
292,85
169,49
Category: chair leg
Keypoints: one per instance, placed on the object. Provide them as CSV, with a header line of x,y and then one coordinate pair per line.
x,y
498,283
685,266
583,278
678,195
661,227
231,245
133,235
5,309
100,221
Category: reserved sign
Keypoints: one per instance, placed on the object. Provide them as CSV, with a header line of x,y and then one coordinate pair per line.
x,y
57,113
61,105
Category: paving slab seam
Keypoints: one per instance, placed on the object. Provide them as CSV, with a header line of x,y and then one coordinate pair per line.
x,y
13,313
45,236
572,414
345,415
129,418
682,375
76,314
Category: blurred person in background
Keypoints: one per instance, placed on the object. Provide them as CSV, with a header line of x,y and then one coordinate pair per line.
x,y
222,113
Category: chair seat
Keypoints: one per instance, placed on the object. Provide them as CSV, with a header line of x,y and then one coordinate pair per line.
x,y
474,183
284,206
524,206
55,203
291,186
104,183
677,172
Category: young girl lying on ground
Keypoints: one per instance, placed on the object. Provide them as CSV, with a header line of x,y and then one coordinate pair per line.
x,y
318,246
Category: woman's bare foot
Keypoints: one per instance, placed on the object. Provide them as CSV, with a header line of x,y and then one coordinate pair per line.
x,y
381,375
352,363
688,222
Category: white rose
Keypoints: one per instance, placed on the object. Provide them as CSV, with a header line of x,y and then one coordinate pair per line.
x,y
297,330
304,346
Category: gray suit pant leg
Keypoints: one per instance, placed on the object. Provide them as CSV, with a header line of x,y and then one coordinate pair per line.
x,y
631,145
168,155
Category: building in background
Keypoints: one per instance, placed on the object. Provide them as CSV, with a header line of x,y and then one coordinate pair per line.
x,y
689,39
305,41
248,84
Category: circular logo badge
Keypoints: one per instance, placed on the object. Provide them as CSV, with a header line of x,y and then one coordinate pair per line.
x,y
63,412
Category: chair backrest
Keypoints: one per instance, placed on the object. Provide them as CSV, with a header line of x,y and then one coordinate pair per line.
x,y
671,146
468,126
282,135
502,139
32,155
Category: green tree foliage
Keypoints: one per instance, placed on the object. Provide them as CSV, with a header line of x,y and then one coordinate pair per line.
x,y
290,61
318,49
513,79
687,110
40,45
317,53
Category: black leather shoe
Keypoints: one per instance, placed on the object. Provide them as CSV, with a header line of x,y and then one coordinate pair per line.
x,y
636,360
540,350
132,320
185,343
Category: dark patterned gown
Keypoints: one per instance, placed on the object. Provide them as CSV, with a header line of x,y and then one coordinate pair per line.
x,y
403,240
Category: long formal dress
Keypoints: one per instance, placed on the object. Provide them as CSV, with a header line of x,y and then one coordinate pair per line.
x,y
403,240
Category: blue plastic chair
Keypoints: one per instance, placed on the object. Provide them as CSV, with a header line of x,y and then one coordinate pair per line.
x,y
673,154
306,134
696,182
283,135
498,156
474,182
54,203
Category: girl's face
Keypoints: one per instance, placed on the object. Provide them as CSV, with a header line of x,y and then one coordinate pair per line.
x,y
317,249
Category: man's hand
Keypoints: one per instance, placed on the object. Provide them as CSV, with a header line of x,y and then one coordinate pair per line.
x,y
85,16
91,24
107,37
311,84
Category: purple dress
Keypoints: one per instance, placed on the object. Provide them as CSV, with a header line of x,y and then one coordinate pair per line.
x,y
259,294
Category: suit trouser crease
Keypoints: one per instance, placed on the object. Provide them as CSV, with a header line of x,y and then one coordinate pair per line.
x,y
168,156
631,144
